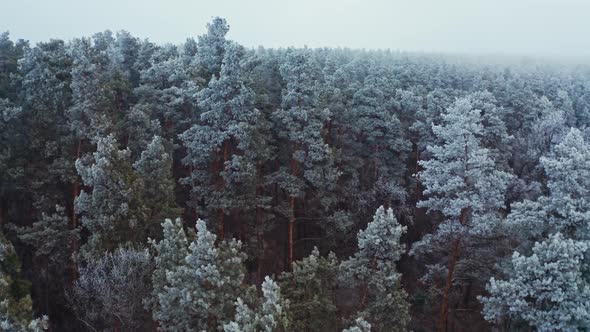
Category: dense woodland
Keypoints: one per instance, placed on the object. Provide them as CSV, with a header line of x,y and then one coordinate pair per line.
x,y
211,187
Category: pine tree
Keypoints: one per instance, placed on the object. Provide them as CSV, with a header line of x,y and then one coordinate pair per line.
x,y
111,210
200,294
461,181
10,53
93,112
10,140
154,167
309,162
16,312
568,173
169,254
52,240
565,208
547,290
373,269
379,140
564,103
211,46
360,325
45,95
220,149
309,288
267,317
45,80
168,83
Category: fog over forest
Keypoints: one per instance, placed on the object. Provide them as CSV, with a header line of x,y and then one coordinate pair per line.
x,y
499,27
373,166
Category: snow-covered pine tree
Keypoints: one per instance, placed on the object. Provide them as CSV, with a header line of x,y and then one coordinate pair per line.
x,y
211,47
309,288
268,316
16,311
360,325
372,269
169,254
220,149
200,294
463,183
308,160
110,207
154,167
547,290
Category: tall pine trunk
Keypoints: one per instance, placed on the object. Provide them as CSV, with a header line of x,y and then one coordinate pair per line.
x,y
221,211
75,194
257,227
455,251
292,215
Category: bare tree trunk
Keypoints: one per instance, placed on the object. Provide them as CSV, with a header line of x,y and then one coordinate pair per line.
x,y
257,228
291,224
455,251
292,216
366,287
75,193
445,300
416,170
222,212
195,209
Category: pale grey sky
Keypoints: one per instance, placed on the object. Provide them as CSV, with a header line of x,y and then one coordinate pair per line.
x,y
521,27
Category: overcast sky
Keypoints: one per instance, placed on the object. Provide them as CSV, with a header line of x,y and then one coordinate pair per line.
x,y
519,27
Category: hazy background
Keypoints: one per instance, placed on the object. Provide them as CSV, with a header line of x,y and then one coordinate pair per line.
x,y
514,27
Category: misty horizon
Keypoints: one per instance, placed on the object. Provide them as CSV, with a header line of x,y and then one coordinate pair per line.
x,y
526,28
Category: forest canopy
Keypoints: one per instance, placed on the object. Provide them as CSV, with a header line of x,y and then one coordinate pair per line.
x,y
211,187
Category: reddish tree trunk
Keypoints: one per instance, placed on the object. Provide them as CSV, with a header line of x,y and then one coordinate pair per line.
x,y
366,286
75,193
455,251
416,170
444,308
257,227
222,212
291,224
292,216
195,209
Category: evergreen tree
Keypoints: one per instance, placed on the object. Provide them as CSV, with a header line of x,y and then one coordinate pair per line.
x,y
568,173
211,46
52,240
379,140
44,73
309,288
461,181
45,94
221,150
267,317
360,325
154,167
10,140
309,162
565,208
170,253
166,92
16,312
10,53
546,290
111,210
200,293
373,269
